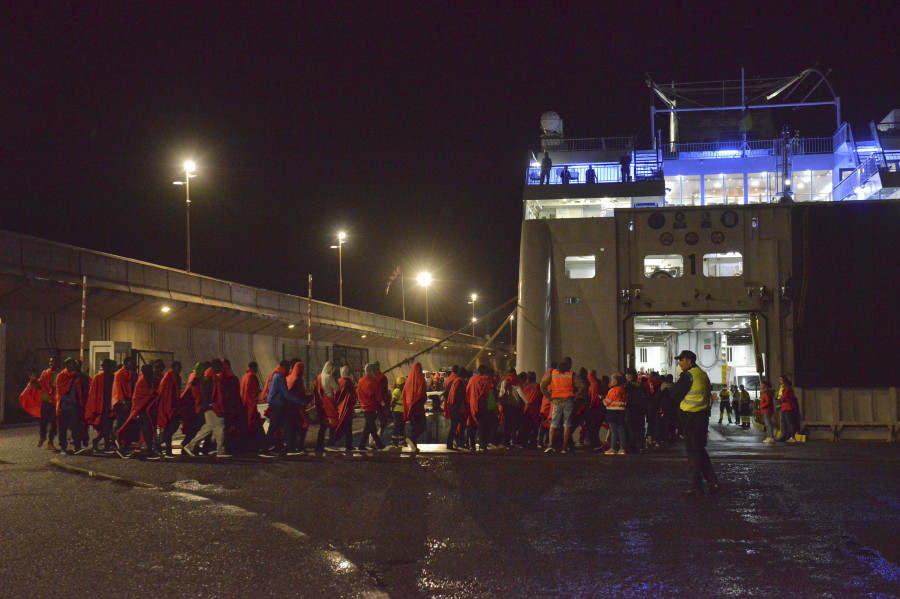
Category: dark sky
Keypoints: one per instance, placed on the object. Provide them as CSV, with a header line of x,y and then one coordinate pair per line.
x,y
408,125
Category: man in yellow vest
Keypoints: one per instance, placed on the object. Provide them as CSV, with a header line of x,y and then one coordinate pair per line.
x,y
693,389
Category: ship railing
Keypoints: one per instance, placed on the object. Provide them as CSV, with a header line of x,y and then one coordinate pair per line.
x,y
744,149
852,187
606,173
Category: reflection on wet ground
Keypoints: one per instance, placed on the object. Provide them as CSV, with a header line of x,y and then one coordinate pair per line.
x,y
807,520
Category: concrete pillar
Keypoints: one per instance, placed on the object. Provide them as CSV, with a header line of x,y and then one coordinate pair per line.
x,y
533,313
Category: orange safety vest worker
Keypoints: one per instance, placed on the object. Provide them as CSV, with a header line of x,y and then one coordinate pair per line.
x,y
562,385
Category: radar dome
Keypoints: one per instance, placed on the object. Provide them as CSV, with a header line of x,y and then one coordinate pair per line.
x,y
551,123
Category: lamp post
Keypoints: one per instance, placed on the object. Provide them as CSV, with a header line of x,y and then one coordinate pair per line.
x,y
474,297
424,279
341,237
189,167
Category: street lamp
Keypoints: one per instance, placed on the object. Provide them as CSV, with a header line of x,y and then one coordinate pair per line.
x,y
424,279
341,237
189,167
474,297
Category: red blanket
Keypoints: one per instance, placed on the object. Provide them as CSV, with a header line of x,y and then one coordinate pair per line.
x,y
33,395
414,395
93,410
480,385
169,396
250,395
145,396
325,405
345,400
369,393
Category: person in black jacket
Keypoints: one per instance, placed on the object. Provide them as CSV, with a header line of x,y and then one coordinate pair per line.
x,y
635,413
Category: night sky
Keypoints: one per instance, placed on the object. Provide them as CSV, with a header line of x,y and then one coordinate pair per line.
x,y
408,125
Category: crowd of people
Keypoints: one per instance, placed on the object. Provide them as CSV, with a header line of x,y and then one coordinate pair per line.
x,y
138,412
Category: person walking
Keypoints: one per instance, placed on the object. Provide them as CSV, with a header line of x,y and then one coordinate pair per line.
x,y
295,434
635,413
790,411
122,392
724,404
326,409
454,397
98,410
368,391
397,414
616,401
745,405
693,389
345,400
69,409
255,437
39,400
414,397
213,412
561,386
167,417
767,409
512,400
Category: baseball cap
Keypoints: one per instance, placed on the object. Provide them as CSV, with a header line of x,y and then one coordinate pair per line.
x,y
686,353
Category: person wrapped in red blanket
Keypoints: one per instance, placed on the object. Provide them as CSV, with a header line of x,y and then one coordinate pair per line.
x,y
326,408
39,400
414,397
297,411
255,435
371,399
98,411
145,396
168,414
482,403
345,400
454,397
69,405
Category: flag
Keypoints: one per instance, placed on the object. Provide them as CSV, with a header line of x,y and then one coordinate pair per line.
x,y
391,280
746,122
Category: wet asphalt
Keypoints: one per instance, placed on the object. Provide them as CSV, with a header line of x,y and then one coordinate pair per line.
x,y
806,520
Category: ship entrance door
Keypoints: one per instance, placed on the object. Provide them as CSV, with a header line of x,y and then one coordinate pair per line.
x,y
729,346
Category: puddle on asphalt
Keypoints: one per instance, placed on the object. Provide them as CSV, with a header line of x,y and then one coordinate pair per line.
x,y
195,486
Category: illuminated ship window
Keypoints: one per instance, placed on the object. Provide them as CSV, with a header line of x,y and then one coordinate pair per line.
x,y
669,266
580,267
729,264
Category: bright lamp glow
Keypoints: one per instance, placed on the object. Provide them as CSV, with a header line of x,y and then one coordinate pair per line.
x,y
424,279
342,236
189,166
166,308
474,297
474,319
291,326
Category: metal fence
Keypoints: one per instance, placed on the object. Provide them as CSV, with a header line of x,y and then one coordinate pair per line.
x,y
606,173
745,149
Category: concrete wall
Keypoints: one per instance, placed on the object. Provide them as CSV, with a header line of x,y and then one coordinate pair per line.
x,y
195,318
841,413
592,320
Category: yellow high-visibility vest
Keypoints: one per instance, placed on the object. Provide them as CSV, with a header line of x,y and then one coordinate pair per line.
x,y
697,399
